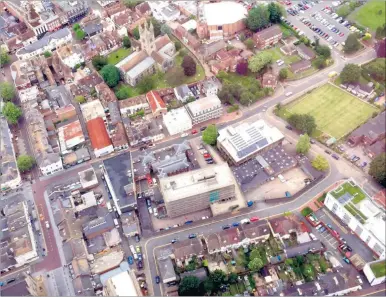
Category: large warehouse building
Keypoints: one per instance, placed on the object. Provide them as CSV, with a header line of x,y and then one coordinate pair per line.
x,y
197,190
221,20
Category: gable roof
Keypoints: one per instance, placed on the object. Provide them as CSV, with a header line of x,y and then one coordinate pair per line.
x,y
98,134
373,128
267,33
155,101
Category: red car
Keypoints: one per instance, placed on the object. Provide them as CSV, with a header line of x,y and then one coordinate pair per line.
x,y
254,219
194,132
341,34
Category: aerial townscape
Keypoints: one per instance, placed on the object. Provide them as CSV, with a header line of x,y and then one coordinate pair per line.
x,y
193,148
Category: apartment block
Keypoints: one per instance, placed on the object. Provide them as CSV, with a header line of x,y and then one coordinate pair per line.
x,y
204,109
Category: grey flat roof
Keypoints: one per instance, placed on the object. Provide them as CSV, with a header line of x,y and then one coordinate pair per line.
x,y
117,169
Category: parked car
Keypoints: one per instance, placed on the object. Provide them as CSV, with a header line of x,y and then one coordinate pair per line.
x,y
349,248
47,225
254,219
327,152
235,224
329,226
289,127
191,236
346,260
335,156
202,128
194,131
139,264
157,279
130,260
137,238
225,227
174,240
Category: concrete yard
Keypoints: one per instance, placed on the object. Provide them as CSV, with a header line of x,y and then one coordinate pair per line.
x,y
276,189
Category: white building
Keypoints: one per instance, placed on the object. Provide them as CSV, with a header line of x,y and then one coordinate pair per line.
x,y
48,43
210,88
70,136
50,164
29,94
70,55
373,272
204,109
164,11
243,142
121,284
354,207
177,121
92,110
183,93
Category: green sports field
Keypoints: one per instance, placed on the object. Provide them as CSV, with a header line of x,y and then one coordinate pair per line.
x,y
336,112
371,15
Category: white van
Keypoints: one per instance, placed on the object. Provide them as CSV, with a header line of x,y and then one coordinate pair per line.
x,y
108,205
313,237
132,249
282,179
288,94
116,223
135,256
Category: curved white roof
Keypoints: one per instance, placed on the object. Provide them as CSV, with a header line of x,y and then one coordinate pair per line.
x,y
224,13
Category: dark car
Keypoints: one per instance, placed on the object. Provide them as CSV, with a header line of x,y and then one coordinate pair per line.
x,y
289,127
157,279
139,264
11,280
191,236
174,241
349,248
130,260
335,156
225,227
202,128
327,152
171,284
142,148
137,238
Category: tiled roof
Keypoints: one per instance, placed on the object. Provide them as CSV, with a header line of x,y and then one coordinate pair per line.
x,y
267,33
155,101
98,133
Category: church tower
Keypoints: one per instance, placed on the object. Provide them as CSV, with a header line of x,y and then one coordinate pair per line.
x,y
146,33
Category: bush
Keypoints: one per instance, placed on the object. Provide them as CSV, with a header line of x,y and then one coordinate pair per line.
x,y
233,108
209,136
47,54
283,73
306,211
177,45
126,42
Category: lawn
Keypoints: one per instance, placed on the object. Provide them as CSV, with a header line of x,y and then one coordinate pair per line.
x,y
368,15
379,268
176,77
278,55
118,55
336,112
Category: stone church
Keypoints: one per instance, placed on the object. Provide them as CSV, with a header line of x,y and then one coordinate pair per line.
x,y
155,54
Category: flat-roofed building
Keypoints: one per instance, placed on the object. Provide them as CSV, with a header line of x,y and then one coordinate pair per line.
x,y
204,109
243,142
70,136
88,178
121,284
375,272
354,207
92,110
177,121
197,190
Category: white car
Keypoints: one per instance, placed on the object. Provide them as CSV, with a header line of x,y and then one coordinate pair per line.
x,y
150,210
47,225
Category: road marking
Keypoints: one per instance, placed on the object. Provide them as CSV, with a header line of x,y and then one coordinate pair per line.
x,y
372,293
343,229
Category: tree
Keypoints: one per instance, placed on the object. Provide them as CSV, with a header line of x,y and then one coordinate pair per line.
x,y
99,61
256,264
126,42
381,49
209,136
189,66
7,91
25,162
177,45
259,61
123,93
75,27
283,73
242,68
323,50
303,145
132,3
208,286
350,73
258,17
275,12
320,163
378,169
136,33
80,99
218,278
351,44
232,278
110,75
247,98
249,43
308,272
80,34
11,112
303,122
47,54
146,84
319,62
377,69
380,33
165,29
189,286
4,58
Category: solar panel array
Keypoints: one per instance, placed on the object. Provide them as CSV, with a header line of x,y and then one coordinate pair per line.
x,y
346,197
248,142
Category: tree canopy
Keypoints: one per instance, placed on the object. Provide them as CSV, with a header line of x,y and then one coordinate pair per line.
x,y
110,75
242,68
7,91
303,122
249,43
377,69
381,49
283,73
136,33
323,50
258,17
380,33
209,136
320,163
99,61
259,61
11,112
189,286
189,66
80,34
132,3
25,162
350,73
4,58
126,42
256,264
275,12
80,99
303,145
165,29
47,54
378,169
351,44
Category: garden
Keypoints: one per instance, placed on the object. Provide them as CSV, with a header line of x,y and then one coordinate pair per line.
x,y
370,15
118,55
336,112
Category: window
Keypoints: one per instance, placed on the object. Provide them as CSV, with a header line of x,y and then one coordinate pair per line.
x,y
219,28
378,249
368,239
334,207
358,230
346,219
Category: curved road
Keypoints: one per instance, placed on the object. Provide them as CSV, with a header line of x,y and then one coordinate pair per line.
x,y
215,224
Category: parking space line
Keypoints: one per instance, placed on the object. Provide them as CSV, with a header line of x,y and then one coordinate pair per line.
x,y
344,230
